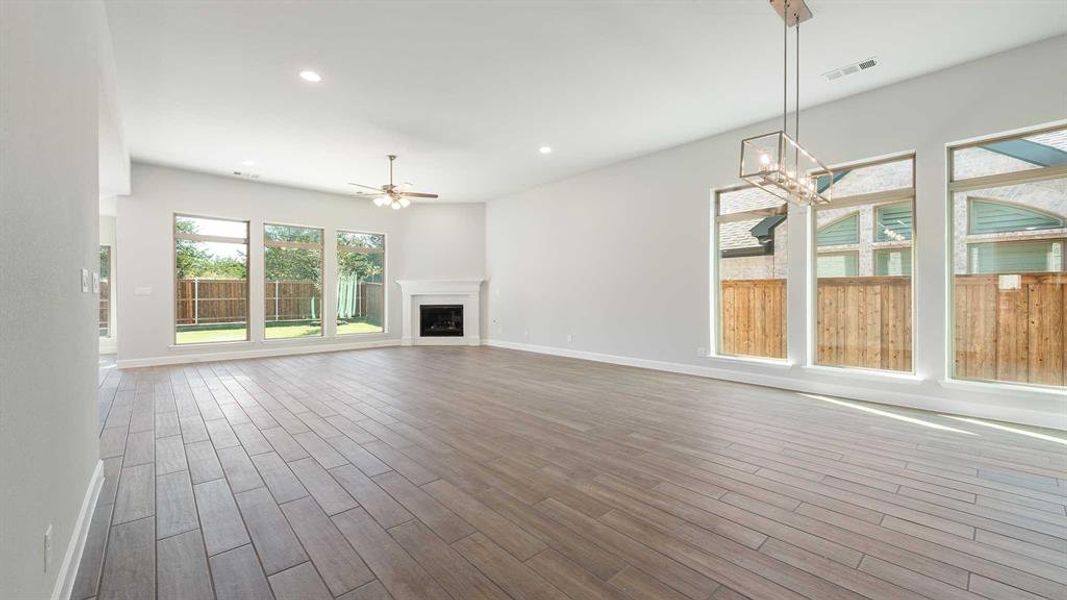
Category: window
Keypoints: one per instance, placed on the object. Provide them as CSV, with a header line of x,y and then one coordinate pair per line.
x,y
863,268
105,291
211,280
292,271
838,264
893,222
1009,224
360,282
988,216
843,231
892,262
750,235
1039,256
1009,155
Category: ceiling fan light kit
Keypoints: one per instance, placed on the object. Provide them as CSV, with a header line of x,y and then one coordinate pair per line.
x,y
392,195
776,162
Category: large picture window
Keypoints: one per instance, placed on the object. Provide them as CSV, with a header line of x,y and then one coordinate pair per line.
x,y
750,235
292,273
360,282
211,280
863,266
1009,259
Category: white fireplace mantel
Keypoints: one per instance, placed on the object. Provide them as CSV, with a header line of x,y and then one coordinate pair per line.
x,y
422,291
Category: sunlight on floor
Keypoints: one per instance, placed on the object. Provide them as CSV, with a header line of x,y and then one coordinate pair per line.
x,y
886,413
991,425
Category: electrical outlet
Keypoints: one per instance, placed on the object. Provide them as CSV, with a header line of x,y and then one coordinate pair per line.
x,y
85,281
526,335
48,548
570,338
702,352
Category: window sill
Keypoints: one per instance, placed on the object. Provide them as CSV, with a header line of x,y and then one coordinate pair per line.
x,y
782,364
1003,387
294,339
865,374
234,343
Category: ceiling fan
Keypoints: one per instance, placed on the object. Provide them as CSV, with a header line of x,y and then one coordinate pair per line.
x,y
392,195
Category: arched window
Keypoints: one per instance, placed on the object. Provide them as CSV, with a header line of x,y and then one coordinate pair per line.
x,y
842,232
993,216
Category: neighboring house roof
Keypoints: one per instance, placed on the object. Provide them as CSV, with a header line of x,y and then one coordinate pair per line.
x,y
1042,155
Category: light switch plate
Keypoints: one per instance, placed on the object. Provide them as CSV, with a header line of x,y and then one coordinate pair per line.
x,y
85,281
96,282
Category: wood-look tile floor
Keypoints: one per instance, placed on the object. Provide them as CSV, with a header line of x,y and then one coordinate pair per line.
x,y
471,473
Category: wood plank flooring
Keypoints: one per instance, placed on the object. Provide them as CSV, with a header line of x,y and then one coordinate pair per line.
x,y
470,473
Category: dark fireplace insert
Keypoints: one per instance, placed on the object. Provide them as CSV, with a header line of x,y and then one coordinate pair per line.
x,y
441,320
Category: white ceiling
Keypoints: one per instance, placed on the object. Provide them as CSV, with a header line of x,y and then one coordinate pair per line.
x,y
466,92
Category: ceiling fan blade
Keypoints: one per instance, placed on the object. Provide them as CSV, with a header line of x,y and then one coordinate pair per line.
x,y
418,195
379,190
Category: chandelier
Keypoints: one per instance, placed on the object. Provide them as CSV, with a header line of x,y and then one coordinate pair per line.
x,y
776,162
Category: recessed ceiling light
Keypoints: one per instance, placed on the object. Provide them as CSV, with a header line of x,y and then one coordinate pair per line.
x,y
248,163
545,149
311,76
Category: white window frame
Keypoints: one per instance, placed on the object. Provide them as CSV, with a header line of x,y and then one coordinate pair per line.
x,y
385,279
322,269
873,200
174,273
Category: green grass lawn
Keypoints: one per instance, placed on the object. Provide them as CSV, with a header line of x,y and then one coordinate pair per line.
x,y
277,332
273,332
237,334
358,327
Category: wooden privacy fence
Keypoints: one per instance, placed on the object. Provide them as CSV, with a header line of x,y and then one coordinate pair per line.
x,y
1012,330
207,301
753,317
216,301
864,322
1004,332
291,301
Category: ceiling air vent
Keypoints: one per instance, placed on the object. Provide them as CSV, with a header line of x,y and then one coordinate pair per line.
x,y
840,72
246,175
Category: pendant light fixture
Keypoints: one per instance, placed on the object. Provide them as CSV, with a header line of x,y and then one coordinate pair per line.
x,y
776,162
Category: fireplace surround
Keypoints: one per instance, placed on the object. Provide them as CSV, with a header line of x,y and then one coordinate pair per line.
x,y
464,294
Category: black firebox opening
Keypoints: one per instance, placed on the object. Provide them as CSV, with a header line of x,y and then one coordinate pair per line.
x,y
441,320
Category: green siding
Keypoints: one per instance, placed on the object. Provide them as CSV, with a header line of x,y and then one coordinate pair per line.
x,y
893,222
892,262
839,233
1035,256
838,265
997,217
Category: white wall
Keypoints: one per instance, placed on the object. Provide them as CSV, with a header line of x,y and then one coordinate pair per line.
x,y
618,257
445,241
48,233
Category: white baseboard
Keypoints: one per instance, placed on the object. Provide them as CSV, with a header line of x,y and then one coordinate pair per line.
x,y
274,348
777,376
444,341
68,570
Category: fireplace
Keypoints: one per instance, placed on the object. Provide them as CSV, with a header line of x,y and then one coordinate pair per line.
x,y
441,320
440,312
